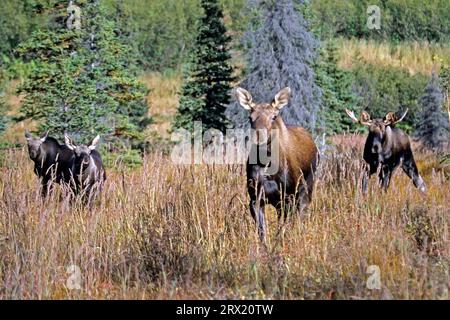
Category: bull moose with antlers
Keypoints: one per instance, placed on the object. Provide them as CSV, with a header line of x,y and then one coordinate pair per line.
x,y
386,147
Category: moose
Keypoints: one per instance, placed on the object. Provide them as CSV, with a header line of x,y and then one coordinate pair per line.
x,y
51,160
292,160
386,147
88,173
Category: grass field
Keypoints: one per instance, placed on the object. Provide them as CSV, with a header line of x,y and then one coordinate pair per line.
x,y
415,57
169,232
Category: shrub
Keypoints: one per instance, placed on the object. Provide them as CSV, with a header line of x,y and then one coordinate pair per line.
x,y
383,89
400,20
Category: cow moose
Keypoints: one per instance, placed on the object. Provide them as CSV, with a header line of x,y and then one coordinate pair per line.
x,y
293,158
87,168
51,160
386,147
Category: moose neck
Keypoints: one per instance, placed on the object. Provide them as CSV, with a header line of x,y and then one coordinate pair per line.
x,y
40,159
281,133
275,148
388,142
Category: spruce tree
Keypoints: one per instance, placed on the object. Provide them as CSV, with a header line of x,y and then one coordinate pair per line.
x,y
3,118
444,76
3,104
432,127
336,85
82,84
206,91
280,53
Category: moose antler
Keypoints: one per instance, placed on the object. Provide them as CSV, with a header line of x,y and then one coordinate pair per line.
x,y
351,114
403,116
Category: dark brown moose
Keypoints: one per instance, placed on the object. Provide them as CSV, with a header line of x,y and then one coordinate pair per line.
x,y
284,177
87,168
52,161
386,147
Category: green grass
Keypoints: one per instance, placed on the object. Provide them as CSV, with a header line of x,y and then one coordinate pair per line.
x,y
415,57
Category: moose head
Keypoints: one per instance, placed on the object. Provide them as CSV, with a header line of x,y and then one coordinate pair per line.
x,y
263,115
34,144
82,152
379,128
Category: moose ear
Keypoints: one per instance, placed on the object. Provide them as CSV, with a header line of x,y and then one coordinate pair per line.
x,y
94,142
27,134
282,98
44,136
392,119
389,118
365,118
68,142
245,98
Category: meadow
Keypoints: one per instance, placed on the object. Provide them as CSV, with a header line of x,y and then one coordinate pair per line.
x,y
413,57
164,231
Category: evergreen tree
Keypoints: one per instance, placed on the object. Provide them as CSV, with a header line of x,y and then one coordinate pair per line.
x,y
337,94
205,93
126,31
432,127
3,119
3,105
16,20
280,53
82,84
444,76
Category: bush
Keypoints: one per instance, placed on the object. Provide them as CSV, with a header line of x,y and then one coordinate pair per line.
x,y
383,89
400,19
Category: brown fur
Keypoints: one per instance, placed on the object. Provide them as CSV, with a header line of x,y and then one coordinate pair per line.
x,y
291,187
298,148
386,148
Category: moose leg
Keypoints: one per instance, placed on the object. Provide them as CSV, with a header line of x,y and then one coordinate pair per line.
x,y
283,208
410,168
257,211
385,176
46,185
369,170
303,198
306,193
44,189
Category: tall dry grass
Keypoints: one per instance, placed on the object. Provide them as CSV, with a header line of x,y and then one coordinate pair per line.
x,y
167,231
416,57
